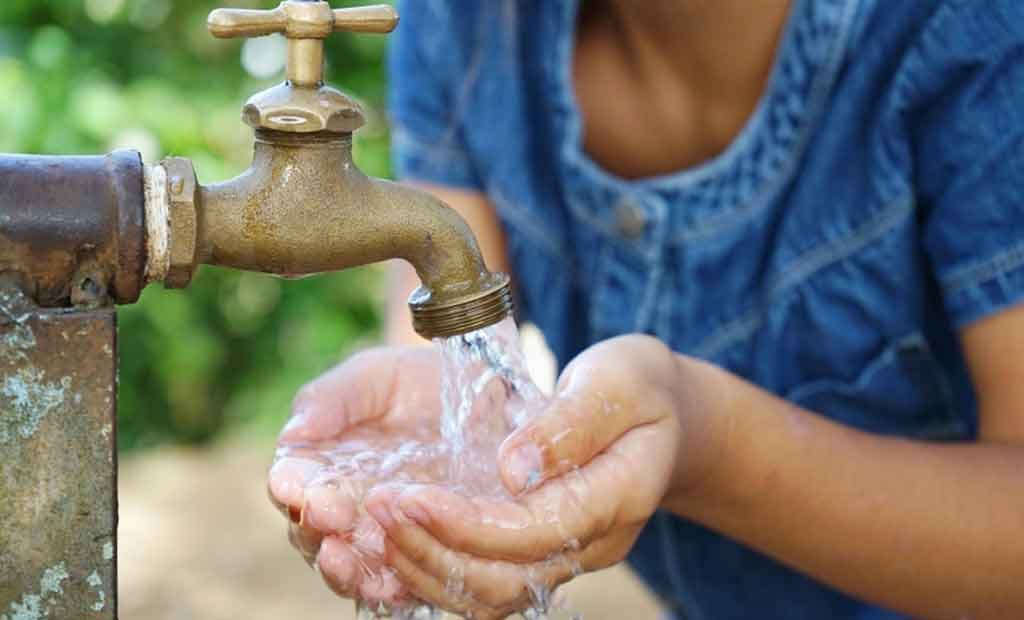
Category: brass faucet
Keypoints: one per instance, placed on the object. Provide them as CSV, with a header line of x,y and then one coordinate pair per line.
x,y
303,206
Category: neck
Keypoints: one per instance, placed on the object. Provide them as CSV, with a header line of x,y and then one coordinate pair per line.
x,y
725,48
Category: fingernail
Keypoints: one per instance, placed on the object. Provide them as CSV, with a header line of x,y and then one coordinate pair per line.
x,y
523,467
336,560
328,510
296,422
288,479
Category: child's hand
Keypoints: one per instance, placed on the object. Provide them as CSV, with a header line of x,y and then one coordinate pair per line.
x,y
378,399
591,471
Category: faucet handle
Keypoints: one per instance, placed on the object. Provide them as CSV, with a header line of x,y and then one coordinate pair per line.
x,y
305,24
293,106
376,18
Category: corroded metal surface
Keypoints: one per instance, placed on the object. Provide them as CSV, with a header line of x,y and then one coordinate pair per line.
x,y
57,462
73,227
464,314
303,206
182,189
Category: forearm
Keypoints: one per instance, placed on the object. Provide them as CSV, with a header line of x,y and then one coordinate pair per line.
x,y
934,530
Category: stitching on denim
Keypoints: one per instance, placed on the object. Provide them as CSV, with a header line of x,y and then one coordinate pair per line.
x,y
596,310
817,97
612,234
970,276
914,339
655,251
946,427
598,223
469,80
820,90
802,269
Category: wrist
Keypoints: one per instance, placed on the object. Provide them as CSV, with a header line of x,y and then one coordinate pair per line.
x,y
706,409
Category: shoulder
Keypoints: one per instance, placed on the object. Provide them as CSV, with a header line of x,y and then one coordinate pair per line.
x,y
946,75
975,25
443,35
964,39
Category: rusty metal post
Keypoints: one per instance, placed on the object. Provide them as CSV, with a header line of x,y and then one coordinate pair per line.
x,y
58,467
73,228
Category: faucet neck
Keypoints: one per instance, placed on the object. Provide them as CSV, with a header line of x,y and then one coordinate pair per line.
x,y
322,157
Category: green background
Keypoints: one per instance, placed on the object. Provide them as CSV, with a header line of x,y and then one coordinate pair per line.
x,y
227,353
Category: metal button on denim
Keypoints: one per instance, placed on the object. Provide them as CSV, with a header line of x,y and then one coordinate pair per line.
x,y
630,219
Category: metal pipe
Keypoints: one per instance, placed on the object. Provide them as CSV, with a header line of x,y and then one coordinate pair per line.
x,y
72,228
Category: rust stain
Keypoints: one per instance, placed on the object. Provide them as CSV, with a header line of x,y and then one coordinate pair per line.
x,y
66,216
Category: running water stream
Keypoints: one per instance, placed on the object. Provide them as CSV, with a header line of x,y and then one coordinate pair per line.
x,y
486,393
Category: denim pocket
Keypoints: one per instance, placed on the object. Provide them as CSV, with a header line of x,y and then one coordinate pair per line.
x,y
902,391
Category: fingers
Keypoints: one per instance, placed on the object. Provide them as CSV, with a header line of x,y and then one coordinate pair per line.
x,y
465,585
339,567
356,390
489,529
448,590
588,415
349,574
329,508
426,587
525,531
303,488
489,588
305,540
620,487
288,478
380,584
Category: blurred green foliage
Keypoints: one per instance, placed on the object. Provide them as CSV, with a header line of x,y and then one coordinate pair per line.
x,y
88,76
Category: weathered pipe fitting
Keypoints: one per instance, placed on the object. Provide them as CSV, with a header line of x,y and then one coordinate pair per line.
x,y
303,207
73,227
451,314
183,217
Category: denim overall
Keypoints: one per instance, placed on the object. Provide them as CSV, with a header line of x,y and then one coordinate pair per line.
x,y
872,205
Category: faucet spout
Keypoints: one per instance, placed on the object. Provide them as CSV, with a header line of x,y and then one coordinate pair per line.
x,y
303,207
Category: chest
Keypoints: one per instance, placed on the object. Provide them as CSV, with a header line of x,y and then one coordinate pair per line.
x,y
646,119
629,129
780,258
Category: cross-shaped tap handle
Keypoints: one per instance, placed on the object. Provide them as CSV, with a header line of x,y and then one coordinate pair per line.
x,y
305,24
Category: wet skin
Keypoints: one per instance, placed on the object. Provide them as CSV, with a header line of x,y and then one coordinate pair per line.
x,y
583,478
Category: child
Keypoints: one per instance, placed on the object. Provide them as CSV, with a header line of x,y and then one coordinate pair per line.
x,y
814,210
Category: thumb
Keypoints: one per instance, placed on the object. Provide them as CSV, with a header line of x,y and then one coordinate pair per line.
x,y
580,423
356,390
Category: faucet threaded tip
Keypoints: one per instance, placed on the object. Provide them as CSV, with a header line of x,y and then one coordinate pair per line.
x,y
461,315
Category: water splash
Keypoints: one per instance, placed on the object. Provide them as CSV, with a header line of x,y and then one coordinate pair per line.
x,y
486,393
